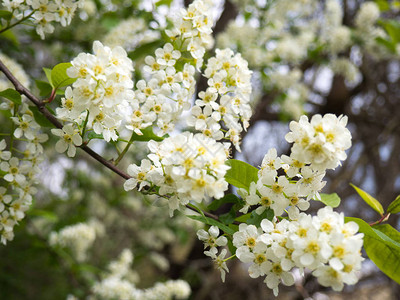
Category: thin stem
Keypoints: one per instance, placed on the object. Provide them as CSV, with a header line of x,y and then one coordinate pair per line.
x,y
382,219
226,259
84,125
125,149
13,129
16,23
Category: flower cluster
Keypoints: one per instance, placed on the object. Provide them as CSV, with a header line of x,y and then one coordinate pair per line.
x,y
193,28
116,284
226,99
17,71
78,238
165,95
101,94
318,145
321,142
19,166
185,167
323,244
129,34
43,12
170,83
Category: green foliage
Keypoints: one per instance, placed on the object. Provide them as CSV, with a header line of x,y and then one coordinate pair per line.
x,y
332,200
392,28
163,2
229,217
110,20
11,95
5,14
255,219
371,201
382,245
10,36
241,174
47,71
147,135
44,87
59,77
212,222
40,118
229,198
144,50
394,207
93,135
48,215
383,5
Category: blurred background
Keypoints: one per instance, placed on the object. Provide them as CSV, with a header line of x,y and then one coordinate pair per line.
x,y
308,57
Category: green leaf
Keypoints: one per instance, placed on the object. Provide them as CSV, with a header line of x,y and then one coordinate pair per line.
x,y
145,49
231,247
383,5
5,14
394,207
389,231
392,27
148,135
382,245
48,215
255,219
243,218
212,222
11,95
163,2
332,200
59,77
44,87
241,174
388,44
93,135
40,118
6,113
371,201
47,71
229,217
9,35
110,20
229,198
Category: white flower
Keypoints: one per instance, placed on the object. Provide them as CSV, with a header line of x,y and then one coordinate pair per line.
x,y
270,164
144,175
26,126
219,262
70,138
14,170
4,198
167,56
211,238
4,155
